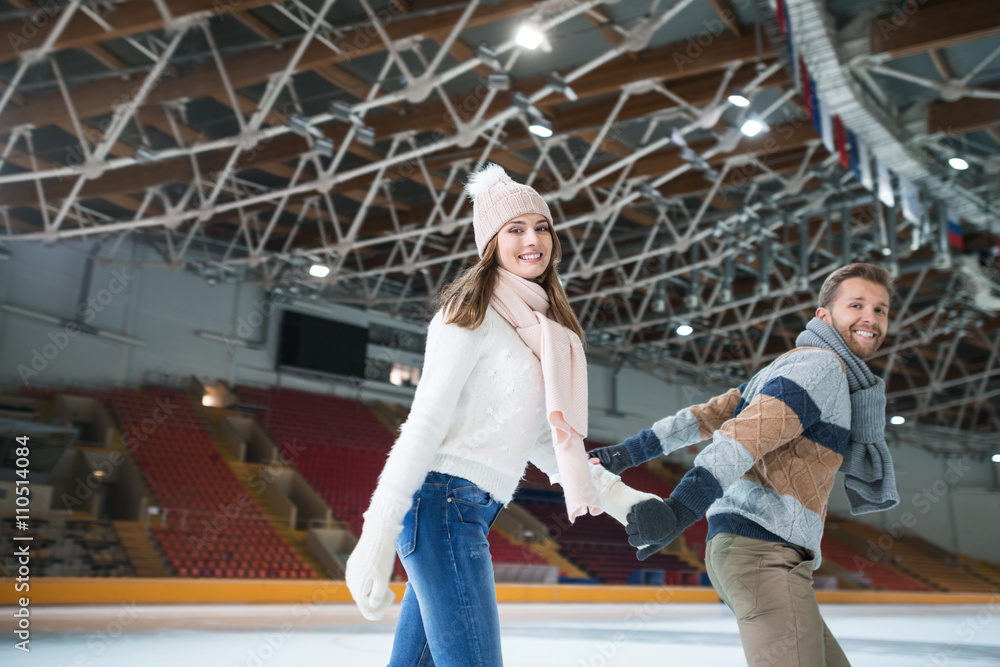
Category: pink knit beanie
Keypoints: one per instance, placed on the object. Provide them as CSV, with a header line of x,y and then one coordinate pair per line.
x,y
496,199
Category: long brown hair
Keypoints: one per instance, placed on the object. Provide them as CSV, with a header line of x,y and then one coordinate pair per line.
x,y
466,299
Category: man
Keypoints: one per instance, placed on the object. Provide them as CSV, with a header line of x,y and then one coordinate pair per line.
x,y
765,479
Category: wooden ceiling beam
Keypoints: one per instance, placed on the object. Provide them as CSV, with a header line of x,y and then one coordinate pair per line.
x,y
245,69
725,11
966,115
924,27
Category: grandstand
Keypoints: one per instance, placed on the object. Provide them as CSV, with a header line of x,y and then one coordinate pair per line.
x,y
208,522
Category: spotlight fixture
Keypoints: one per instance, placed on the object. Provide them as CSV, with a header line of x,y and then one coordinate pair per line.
x,y
529,37
498,81
541,127
752,128
299,125
145,155
738,99
342,111
489,57
897,420
522,103
324,147
365,135
559,84
958,164
319,271
685,330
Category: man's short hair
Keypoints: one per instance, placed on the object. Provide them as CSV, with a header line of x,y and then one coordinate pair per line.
x,y
869,272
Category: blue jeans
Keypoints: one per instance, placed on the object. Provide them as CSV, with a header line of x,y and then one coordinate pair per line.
x,y
449,612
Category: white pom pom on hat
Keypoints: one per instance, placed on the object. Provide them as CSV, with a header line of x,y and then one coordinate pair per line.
x,y
496,199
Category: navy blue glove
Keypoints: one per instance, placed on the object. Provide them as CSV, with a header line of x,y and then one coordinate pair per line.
x,y
615,458
653,524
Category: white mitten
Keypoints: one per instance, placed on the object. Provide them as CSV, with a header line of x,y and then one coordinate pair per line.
x,y
370,567
617,497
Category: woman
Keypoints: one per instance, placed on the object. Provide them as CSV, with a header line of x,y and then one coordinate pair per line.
x,y
504,382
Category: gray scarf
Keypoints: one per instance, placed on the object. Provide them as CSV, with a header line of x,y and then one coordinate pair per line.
x,y
868,475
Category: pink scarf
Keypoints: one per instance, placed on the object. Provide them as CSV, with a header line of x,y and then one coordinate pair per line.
x,y
525,305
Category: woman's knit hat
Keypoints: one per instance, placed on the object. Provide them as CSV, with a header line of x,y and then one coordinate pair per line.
x,y
496,199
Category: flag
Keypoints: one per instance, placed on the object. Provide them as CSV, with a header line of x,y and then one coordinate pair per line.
x,y
955,239
865,165
817,113
840,137
884,183
785,25
826,128
855,164
807,90
912,207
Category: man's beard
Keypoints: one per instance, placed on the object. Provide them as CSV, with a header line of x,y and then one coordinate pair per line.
x,y
856,346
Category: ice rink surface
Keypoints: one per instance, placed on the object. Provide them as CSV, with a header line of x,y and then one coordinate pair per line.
x,y
534,635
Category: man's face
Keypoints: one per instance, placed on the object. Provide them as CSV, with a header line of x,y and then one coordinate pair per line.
x,y
860,314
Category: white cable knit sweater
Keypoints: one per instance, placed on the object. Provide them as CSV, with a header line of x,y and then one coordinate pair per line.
x,y
478,413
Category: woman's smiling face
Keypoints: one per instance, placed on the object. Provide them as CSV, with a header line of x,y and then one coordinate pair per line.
x,y
524,245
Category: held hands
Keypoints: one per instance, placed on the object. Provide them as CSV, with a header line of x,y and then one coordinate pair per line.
x,y
370,567
614,458
617,497
655,523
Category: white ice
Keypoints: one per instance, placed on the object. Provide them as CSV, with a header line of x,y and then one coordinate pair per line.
x,y
534,635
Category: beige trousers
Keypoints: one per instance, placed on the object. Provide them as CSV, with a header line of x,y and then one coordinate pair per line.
x,y
769,588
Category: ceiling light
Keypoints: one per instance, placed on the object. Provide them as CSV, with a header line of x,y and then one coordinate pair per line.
x,y
541,128
324,147
342,111
365,135
897,420
996,458
958,164
559,84
299,125
498,81
739,100
752,128
522,102
685,330
529,37
319,271
489,57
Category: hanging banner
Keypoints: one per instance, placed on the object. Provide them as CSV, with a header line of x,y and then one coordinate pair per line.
x,y
865,166
913,208
826,128
884,184
955,239
852,144
840,136
806,89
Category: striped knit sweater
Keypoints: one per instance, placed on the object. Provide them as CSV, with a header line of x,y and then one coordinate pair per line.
x,y
777,443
